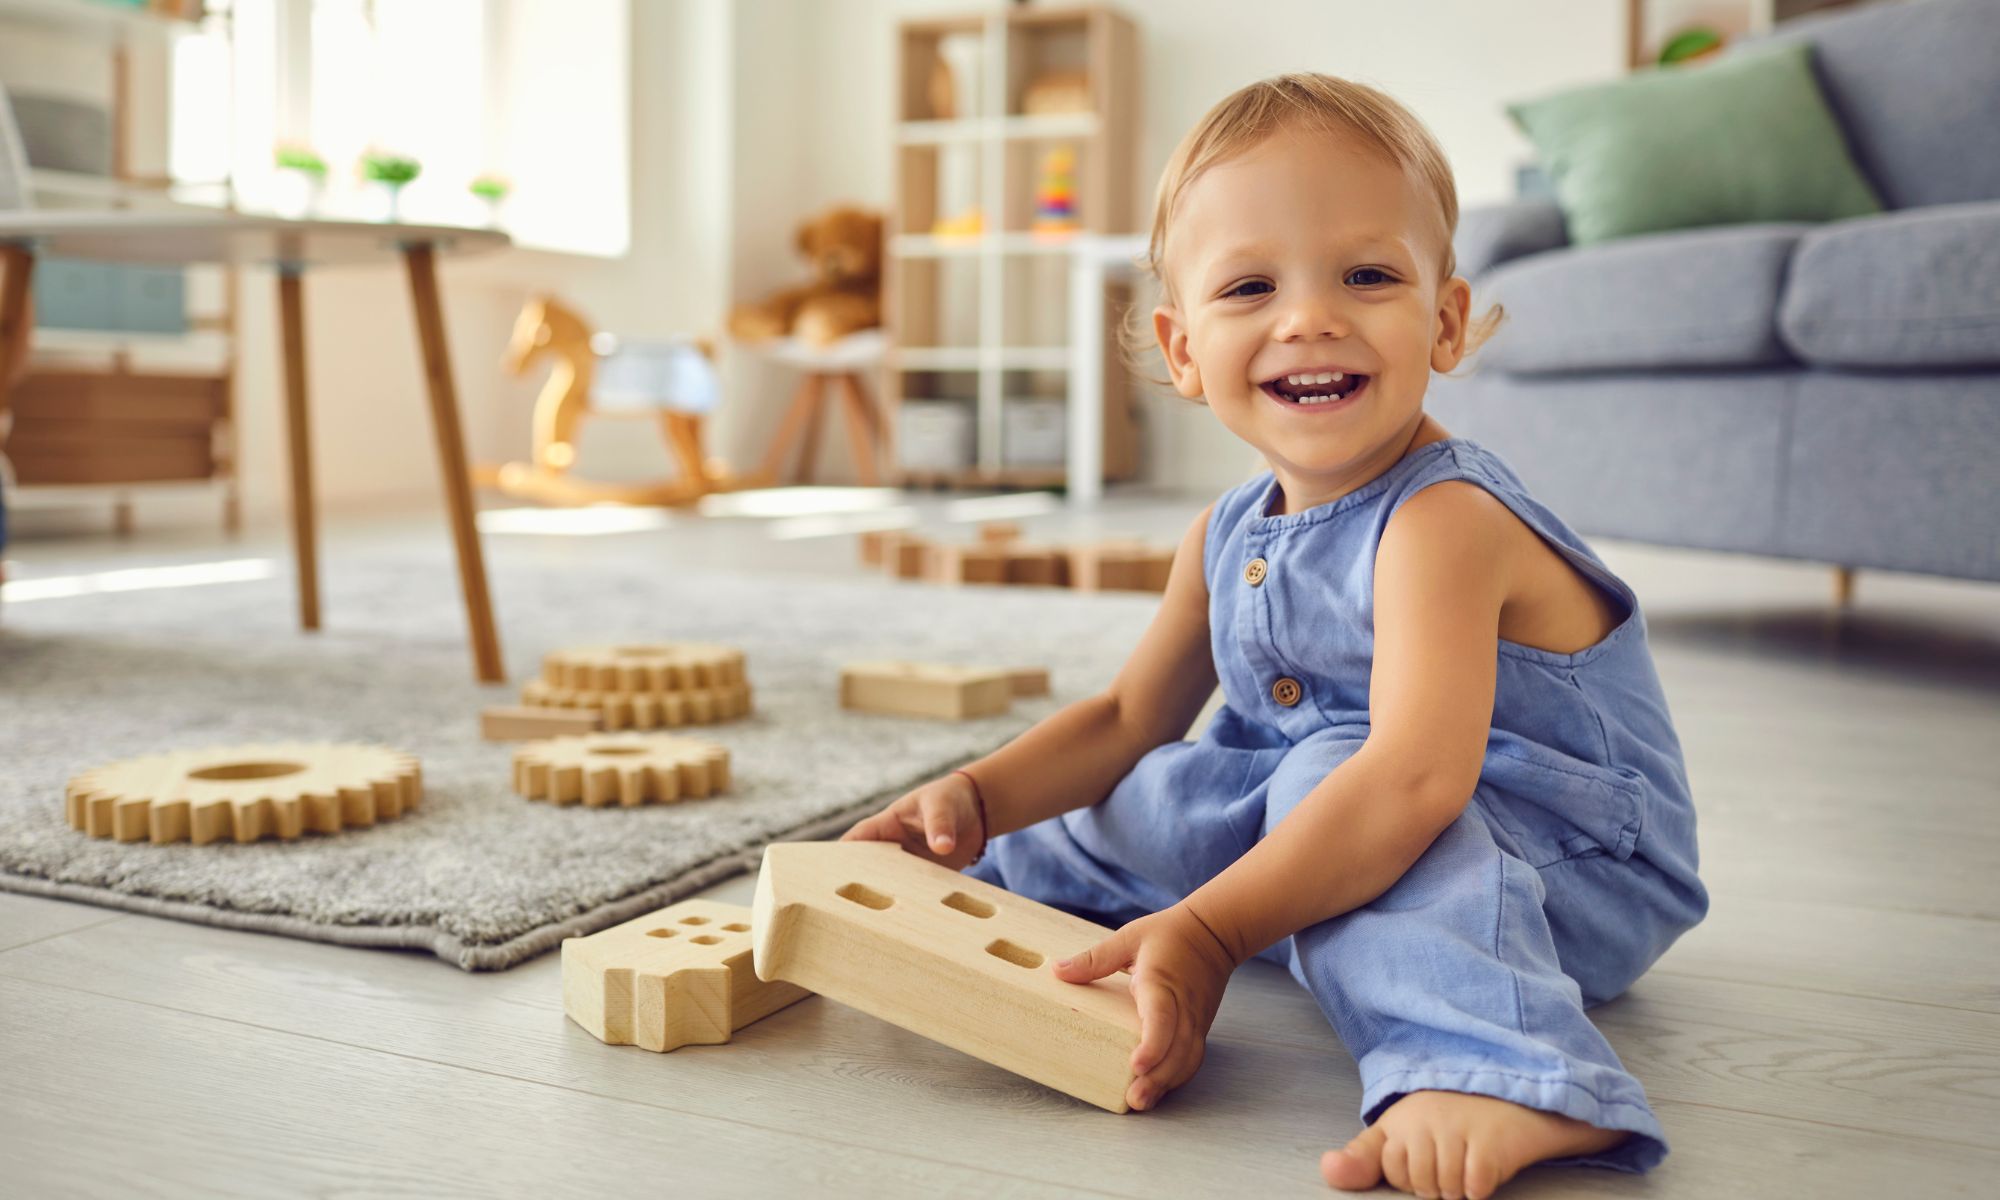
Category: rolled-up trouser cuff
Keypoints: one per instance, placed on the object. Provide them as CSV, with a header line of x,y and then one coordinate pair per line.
x,y
1638,1154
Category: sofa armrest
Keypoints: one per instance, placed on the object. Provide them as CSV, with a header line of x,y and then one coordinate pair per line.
x,y
1494,234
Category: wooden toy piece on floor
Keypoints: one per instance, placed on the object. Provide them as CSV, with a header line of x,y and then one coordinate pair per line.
x,y
904,689
907,556
513,723
969,564
1036,566
1029,681
243,793
999,533
660,685
672,978
624,769
946,956
1119,566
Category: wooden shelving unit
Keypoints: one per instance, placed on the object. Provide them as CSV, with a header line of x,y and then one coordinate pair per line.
x,y
977,318
87,426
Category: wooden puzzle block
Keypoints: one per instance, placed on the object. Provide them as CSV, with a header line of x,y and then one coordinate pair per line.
x,y
905,689
243,793
999,532
672,978
625,769
873,546
969,564
1119,566
1037,566
946,956
512,723
907,556
1029,681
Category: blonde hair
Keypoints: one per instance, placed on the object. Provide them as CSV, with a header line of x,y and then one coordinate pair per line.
x,y
1324,103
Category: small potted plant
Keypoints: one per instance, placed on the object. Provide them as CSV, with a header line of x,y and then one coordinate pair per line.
x,y
392,171
493,190
301,164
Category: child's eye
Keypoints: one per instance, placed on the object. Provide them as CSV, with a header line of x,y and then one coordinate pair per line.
x,y
1238,290
1380,277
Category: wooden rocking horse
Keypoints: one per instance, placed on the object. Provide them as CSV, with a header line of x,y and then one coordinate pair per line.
x,y
596,374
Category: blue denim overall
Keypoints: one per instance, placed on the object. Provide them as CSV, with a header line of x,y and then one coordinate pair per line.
x,y
1570,871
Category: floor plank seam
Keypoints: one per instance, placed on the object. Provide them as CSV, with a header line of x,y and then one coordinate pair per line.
x,y
113,918
1795,987
541,1083
1659,1102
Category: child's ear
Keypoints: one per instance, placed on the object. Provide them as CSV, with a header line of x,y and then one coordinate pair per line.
x,y
1454,309
1167,327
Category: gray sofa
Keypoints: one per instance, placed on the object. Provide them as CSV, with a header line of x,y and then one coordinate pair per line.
x,y
1825,392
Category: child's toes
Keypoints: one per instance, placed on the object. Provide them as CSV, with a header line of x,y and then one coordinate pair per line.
x,y
1421,1163
1396,1163
1357,1166
1482,1174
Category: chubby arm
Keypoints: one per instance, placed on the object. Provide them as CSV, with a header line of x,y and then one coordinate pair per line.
x,y
1075,756
1441,574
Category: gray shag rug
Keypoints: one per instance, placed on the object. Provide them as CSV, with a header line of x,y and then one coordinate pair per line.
x,y
477,875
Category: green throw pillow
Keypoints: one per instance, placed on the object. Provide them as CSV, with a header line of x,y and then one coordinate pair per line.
x,y
1744,137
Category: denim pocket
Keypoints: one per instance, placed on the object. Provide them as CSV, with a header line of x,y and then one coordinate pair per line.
x,y
1559,807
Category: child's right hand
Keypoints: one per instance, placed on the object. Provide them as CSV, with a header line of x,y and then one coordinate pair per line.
x,y
938,821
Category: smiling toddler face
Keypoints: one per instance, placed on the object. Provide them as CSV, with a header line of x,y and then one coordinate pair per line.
x,y
1306,301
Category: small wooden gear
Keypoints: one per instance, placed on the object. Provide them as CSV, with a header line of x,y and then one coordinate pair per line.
x,y
627,769
244,793
649,686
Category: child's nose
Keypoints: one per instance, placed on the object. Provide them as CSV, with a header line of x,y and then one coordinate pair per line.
x,y
1312,315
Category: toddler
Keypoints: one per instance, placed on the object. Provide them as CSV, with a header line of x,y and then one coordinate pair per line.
x,y
1443,789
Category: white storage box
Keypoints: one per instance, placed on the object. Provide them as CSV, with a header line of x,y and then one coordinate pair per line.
x,y
934,435
1034,431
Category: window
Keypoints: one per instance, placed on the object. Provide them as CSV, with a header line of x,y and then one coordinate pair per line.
x,y
535,91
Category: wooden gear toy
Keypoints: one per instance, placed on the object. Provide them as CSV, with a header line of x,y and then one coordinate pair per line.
x,y
947,956
625,769
244,793
650,686
662,981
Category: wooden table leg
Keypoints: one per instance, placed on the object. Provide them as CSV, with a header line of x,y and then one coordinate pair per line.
x,y
797,418
809,452
861,425
298,438
422,262
15,322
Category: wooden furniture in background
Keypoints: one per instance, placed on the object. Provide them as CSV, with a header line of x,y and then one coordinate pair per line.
x,y
237,239
975,294
843,366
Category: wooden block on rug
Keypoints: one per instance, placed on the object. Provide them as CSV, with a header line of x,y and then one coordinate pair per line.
x,y
1029,681
999,533
947,956
243,793
1119,566
512,723
969,564
903,689
675,977
1037,566
907,556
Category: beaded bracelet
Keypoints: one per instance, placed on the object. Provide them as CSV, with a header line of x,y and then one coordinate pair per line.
x,y
978,798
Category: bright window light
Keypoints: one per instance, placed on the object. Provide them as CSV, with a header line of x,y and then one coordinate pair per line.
x,y
592,521
137,579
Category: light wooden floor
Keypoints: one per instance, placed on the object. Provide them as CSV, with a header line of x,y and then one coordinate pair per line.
x,y
1833,1030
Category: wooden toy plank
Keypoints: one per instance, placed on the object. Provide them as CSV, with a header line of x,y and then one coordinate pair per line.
x,y
1029,681
513,723
1038,566
907,556
671,978
947,956
904,689
969,564
999,532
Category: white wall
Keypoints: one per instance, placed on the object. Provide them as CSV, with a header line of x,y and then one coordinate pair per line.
x,y
748,115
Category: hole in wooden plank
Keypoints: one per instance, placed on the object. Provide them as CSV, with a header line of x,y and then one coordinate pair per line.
x,y
865,896
737,928
1020,956
706,939
694,920
971,906
661,932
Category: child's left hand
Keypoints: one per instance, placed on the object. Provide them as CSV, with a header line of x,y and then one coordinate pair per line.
x,y
1178,972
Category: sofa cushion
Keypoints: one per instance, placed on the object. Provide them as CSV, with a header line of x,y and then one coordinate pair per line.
x,y
1909,289
1916,87
1696,298
1746,138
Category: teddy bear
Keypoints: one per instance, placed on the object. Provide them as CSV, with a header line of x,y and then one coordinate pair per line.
x,y
844,247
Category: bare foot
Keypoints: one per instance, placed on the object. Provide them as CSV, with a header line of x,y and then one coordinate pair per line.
x,y
1457,1146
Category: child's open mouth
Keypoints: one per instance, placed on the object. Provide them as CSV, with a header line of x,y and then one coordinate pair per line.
x,y
1309,389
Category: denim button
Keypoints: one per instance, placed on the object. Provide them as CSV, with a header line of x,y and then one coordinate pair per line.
x,y
1286,691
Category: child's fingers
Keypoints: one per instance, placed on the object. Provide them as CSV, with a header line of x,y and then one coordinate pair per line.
x,y
1158,1022
1112,954
882,827
940,825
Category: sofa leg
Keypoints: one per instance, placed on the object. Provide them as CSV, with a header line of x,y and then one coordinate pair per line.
x,y
1843,587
